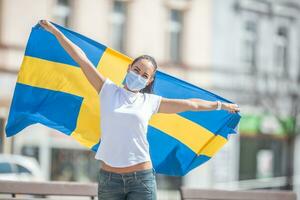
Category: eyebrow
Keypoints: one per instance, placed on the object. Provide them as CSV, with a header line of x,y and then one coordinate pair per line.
x,y
137,67
140,70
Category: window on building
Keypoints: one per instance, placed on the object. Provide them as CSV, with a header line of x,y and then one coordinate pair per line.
x,y
119,16
262,156
73,165
281,51
31,151
165,182
175,35
249,51
62,12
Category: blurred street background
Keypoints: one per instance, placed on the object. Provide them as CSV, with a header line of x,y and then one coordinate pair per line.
x,y
247,51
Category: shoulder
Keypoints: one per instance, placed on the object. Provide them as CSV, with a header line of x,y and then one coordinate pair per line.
x,y
154,101
108,81
108,86
152,97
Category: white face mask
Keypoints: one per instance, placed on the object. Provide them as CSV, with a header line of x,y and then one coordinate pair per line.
x,y
134,81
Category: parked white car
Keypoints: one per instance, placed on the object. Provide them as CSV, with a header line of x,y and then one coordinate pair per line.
x,y
19,168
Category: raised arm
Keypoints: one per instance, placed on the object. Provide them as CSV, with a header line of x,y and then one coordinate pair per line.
x,y
181,105
90,71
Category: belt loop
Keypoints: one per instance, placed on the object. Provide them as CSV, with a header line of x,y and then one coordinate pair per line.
x,y
135,176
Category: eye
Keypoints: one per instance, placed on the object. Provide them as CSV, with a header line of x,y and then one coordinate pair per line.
x,y
145,76
136,71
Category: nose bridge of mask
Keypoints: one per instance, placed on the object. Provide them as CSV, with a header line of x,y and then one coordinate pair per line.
x,y
139,77
134,81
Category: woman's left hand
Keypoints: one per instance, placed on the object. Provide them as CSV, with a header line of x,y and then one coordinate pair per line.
x,y
48,26
230,107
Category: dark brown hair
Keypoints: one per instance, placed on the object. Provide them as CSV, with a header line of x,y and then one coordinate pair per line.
x,y
148,88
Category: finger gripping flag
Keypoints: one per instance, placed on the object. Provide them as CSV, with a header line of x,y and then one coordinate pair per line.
x,y
52,90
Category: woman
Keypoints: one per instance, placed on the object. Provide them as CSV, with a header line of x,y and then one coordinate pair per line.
x,y
126,171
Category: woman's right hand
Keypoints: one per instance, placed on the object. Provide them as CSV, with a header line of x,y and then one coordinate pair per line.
x,y
232,108
47,26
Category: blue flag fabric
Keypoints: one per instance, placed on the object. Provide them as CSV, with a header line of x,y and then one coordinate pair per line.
x,y
52,90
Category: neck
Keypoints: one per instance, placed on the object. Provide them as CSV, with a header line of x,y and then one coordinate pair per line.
x,y
130,90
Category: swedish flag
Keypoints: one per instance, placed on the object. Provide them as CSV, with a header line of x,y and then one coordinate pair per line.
x,y
52,90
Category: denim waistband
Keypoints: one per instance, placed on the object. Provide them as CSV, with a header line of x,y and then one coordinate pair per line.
x,y
127,174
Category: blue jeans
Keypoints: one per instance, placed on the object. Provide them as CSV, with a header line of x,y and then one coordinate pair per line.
x,y
138,185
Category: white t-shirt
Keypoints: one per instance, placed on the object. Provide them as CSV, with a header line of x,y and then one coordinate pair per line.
x,y
124,124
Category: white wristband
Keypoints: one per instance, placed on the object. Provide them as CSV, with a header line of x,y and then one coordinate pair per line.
x,y
219,105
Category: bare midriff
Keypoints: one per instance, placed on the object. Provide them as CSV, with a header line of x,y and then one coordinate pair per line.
x,y
133,168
